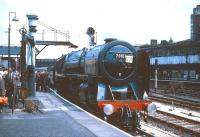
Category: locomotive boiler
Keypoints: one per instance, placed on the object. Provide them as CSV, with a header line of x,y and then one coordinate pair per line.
x,y
112,79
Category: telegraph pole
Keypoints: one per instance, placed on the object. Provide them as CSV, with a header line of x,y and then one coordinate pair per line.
x,y
156,74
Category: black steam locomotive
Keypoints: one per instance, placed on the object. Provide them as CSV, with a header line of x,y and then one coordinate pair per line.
x,y
111,79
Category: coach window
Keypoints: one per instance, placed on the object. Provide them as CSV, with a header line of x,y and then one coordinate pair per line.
x,y
178,51
172,52
186,52
165,52
168,52
198,50
181,51
175,51
194,51
159,52
155,52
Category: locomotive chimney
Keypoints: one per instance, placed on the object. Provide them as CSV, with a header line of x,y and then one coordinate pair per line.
x,y
90,32
107,40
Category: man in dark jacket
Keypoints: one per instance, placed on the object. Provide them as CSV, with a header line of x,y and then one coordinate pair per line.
x,y
9,88
2,88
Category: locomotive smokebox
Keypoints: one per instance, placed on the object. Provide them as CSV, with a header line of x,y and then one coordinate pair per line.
x,y
117,62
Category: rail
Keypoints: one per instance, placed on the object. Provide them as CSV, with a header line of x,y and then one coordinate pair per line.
x,y
177,122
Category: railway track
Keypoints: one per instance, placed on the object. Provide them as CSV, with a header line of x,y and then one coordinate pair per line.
x,y
178,88
190,94
152,131
186,126
179,121
191,104
148,130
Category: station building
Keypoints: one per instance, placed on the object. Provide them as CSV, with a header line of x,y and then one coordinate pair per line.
x,y
14,56
195,23
177,60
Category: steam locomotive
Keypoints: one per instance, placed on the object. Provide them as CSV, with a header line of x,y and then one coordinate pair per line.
x,y
112,79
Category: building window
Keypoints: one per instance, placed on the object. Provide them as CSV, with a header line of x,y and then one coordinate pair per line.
x,y
199,27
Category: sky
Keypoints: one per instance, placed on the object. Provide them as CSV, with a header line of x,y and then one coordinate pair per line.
x,y
134,21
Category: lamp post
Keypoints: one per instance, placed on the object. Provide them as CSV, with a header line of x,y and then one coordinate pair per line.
x,y
9,27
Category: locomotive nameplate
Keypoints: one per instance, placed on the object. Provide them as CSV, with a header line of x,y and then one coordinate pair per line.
x,y
120,55
128,58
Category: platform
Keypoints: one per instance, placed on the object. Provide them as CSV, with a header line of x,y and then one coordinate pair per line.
x,y
55,119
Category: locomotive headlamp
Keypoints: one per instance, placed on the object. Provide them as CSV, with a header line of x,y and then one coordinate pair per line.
x,y
151,108
108,109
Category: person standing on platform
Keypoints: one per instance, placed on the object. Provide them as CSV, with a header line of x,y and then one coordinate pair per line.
x,y
2,89
38,81
46,81
9,87
43,81
14,75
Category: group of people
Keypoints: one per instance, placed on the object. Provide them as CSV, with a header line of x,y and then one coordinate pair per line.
x,y
42,81
7,79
